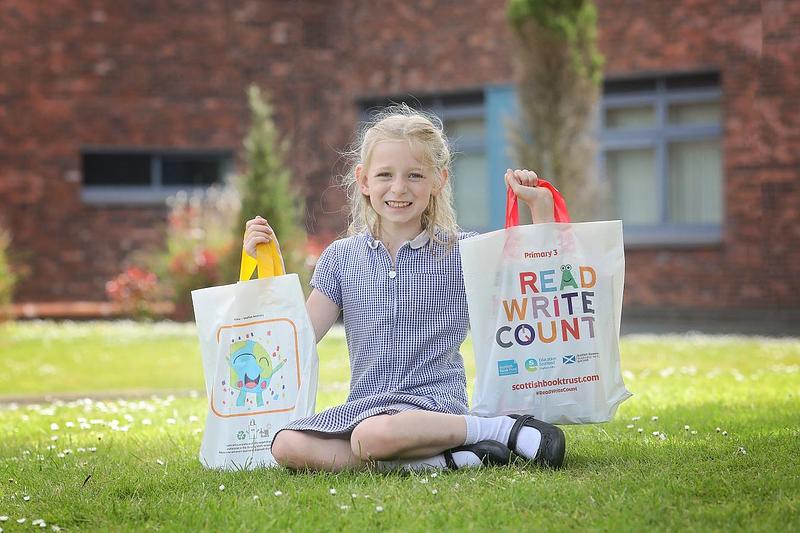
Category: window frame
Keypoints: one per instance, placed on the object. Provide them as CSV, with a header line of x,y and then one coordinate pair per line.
x,y
156,193
659,136
467,147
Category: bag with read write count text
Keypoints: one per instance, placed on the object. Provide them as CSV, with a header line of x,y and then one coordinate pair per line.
x,y
545,303
259,358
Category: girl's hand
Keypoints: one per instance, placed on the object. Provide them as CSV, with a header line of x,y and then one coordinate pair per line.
x,y
525,183
257,231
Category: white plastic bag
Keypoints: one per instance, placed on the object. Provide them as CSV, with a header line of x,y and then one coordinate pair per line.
x,y
260,362
545,303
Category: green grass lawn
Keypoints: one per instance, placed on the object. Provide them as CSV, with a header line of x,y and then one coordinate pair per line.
x,y
131,464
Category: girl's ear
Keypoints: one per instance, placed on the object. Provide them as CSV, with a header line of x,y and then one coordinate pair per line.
x,y
361,178
443,177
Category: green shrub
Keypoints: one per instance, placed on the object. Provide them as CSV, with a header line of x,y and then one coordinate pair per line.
x,y
199,252
137,291
205,228
267,187
199,245
558,71
8,278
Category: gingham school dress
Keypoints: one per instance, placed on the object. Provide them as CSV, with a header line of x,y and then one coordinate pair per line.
x,y
404,325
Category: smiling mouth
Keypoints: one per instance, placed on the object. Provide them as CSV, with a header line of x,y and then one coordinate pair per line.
x,y
250,383
398,204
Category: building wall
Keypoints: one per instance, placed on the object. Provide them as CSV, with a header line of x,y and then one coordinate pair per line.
x,y
754,45
139,74
171,75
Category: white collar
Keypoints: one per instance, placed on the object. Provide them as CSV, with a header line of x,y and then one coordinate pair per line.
x,y
417,242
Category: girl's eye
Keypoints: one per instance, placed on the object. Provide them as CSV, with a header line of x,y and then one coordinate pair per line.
x,y
415,176
384,175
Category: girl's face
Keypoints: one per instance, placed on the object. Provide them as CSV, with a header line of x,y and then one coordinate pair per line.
x,y
399,185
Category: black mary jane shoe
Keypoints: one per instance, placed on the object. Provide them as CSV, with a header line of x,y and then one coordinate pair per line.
x,y
553,445
490,452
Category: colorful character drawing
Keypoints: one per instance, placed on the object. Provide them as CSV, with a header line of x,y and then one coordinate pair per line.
x,y
566,277
253,367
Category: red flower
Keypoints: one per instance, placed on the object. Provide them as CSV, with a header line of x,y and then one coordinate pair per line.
x,y
207,258
135,290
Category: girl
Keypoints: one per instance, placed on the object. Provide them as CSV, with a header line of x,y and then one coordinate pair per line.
x,y
397,279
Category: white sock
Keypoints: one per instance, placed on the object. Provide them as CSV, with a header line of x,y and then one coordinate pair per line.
x,y
499,428
437,462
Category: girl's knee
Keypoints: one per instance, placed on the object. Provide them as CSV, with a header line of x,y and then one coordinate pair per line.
x,y
287,446
374,439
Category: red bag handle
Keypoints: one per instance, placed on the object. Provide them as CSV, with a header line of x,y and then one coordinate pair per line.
x,y
560,213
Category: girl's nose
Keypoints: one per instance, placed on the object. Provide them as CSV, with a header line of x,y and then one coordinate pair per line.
x,y
398,185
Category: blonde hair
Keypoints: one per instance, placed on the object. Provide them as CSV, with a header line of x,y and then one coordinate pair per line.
x,y
423,131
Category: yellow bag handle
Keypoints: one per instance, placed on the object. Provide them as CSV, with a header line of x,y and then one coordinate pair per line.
x,y
268,262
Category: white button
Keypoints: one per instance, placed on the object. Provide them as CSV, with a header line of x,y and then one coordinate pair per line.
x,y
392,274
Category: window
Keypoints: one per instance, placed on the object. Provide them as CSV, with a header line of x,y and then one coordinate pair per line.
x,y
465,126
661,157
660,154
466,130
145,177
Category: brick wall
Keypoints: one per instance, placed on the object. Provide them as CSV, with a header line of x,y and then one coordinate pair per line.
x,y
168,75
754,46
143,74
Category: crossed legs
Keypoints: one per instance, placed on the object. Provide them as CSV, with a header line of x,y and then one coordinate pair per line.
x,y
405,435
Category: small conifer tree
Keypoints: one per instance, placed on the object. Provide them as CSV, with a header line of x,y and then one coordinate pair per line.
x,y
267,187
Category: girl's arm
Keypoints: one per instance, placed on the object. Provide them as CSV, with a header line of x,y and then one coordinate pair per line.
x,y
321,310
539,199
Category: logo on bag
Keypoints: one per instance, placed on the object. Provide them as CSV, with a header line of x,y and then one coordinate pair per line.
x,y
547,306
253,370
585,357
253,432
543,363
507,367
258,369
566,277
568,359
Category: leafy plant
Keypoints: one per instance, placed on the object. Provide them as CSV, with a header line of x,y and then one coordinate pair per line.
x,y
205,228
558,69
137,291
200,247
573,22
8,278
267,187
